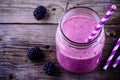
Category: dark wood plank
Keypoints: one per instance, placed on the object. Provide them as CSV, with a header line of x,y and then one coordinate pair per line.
x,y
45,34
99,6
25,35
22,68
15,39
14,11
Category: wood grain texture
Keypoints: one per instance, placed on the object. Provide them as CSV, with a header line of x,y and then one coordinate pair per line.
x,y
20,31
20,34
14,11
17,38
100,7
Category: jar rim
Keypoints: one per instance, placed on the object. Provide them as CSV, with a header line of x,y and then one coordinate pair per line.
x,y
77,43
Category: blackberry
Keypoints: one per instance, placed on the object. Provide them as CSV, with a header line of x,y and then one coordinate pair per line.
x,y
34,53
50,68
40,12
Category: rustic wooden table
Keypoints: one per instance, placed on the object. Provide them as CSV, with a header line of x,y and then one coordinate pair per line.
x,y
20,31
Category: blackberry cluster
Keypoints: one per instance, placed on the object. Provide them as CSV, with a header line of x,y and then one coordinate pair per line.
x,y
50,68
40,12
34,53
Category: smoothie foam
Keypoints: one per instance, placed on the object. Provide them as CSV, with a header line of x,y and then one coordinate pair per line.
x,y
78,28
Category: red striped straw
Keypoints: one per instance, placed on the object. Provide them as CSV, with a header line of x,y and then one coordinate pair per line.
x,y
112,54
116,62
102,22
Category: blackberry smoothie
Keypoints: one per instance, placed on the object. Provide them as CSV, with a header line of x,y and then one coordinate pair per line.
x,y
74,54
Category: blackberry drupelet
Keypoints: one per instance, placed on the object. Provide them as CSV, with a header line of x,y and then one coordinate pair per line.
x,y
50,68
34,53
39,12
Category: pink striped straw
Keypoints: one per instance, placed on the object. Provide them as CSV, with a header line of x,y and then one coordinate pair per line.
x,y
102,22
112,54
116,62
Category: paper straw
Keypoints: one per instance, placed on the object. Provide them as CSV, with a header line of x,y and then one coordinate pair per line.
x,y
102,22
112,54
116,62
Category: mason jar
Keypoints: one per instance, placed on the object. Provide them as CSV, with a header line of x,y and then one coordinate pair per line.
x,y
74,54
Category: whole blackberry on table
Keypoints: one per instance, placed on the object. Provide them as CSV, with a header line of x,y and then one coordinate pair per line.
x,y
34,53
40,12
50,68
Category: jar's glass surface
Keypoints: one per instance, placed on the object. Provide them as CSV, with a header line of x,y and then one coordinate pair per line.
x,y
75,26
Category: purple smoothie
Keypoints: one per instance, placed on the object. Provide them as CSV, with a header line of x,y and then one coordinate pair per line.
x,y
77,28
